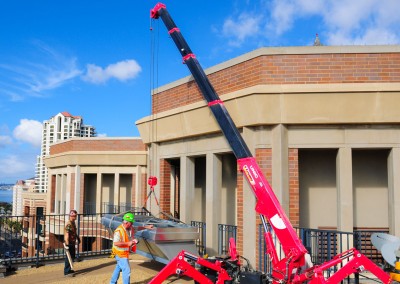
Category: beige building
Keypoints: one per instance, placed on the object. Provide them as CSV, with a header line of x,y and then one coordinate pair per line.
x,y
27,204
19,189
94,174
323,123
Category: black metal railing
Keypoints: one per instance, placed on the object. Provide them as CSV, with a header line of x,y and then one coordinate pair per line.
x,y
40,238
322,246
225,232
362,242
201,242
35,239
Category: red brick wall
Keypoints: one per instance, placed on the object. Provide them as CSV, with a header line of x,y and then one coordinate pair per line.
x,y
239,217
165,186
98,145
288,69
294,188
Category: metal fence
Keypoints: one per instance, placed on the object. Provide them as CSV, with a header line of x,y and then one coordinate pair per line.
x,y
322,246
225,232
201,242
34,239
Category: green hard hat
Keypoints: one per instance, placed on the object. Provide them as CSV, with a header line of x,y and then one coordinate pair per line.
x,y
129,217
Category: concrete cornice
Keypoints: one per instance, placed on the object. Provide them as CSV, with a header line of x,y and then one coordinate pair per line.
x,y
96,139
98,158
310,104
98,153
282,89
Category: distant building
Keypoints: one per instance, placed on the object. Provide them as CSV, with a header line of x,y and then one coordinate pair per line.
x,y
60,127
19,188
27,205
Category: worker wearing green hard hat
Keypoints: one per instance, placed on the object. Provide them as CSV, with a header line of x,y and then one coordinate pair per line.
x,y
123,242
129,217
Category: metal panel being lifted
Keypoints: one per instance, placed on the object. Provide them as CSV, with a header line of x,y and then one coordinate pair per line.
x,y
164,241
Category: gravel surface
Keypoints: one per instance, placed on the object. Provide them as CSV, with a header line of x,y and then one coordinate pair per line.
x,y
89,271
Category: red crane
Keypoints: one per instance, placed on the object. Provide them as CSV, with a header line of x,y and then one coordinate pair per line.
x,y
287,269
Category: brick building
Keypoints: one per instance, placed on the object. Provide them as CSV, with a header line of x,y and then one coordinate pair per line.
x,y
92,175
323,122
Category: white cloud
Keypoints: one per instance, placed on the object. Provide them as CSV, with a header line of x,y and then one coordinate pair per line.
x,y
282,16
54,78
369,37
239,29
362,22
29,131
24,78
5,140
14,167
339,22
122,71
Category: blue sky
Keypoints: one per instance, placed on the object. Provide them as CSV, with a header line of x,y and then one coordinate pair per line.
x,y
100,59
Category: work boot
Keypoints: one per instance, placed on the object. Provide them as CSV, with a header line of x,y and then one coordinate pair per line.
x,y
70,274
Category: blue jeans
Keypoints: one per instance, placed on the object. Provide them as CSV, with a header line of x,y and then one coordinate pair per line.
x,y
122,265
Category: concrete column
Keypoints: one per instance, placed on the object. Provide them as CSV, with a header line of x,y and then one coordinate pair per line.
x,y
58,192
344,184
77,186
280,165
138,187
99,192
394,190
68,191
187,187
63,194
117,193
213,200
249,204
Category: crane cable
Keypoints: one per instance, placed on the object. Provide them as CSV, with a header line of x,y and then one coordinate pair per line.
x,y
152,125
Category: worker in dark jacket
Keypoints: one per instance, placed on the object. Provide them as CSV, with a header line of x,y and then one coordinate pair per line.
x,y
70,239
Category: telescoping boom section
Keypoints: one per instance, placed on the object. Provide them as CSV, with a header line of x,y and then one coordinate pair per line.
x,y
267,204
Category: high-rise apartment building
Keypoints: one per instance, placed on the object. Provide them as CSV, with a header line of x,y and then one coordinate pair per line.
x,y
60,127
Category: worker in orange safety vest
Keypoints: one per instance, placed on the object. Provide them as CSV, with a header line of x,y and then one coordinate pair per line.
x,y
123,242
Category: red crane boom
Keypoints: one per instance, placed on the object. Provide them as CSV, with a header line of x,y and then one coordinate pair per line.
x,y
287,269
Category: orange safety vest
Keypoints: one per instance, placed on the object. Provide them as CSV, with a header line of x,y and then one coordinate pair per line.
x,y
122,251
